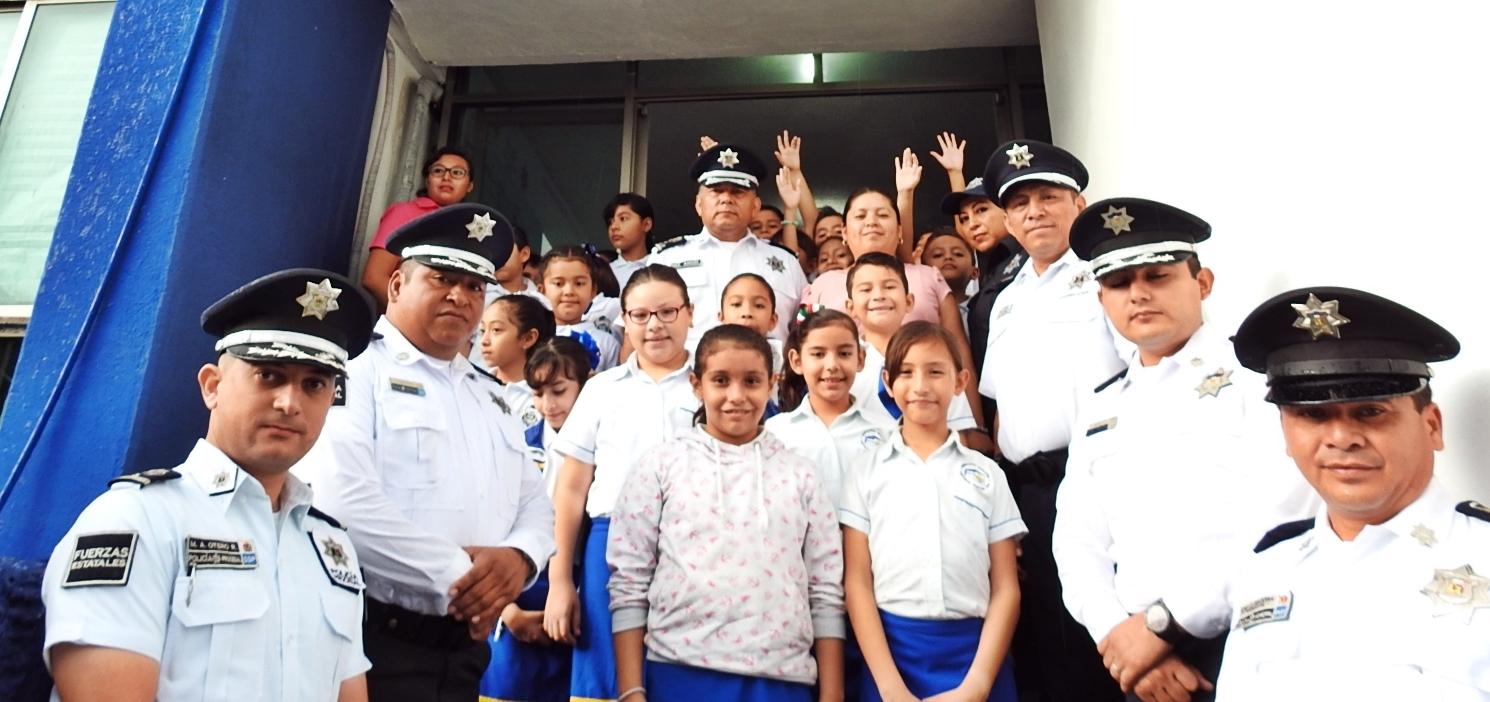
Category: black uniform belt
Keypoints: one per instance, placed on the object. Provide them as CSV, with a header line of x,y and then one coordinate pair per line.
x,y
1043,468
426,630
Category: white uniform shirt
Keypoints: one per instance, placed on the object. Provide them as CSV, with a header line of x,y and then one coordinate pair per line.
x,y
1377,618
708,264
421,461
601,343
852,438
1178,470
605,312
1049,344
623,268
256,616
929,525
519,399
618,416
868,383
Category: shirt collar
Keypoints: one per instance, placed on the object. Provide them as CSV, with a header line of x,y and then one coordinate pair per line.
x,y
950,446
804,412
1197,354
1028,269
405,353
223,481
1433,511
707,238
632,367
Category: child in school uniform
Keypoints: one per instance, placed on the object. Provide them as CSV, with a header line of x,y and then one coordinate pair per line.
x,y
929,531
526,665
748,300
567,277
622,413
510,328
879,300
726,559
820,419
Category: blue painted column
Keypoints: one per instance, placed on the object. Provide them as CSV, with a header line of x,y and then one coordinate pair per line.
x,y
224,139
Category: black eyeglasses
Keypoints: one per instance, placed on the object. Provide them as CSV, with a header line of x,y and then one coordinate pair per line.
x,y
455,173
666,315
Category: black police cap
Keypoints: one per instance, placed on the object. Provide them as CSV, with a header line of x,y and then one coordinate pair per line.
x,y
1327,344
728,163
300,315
1125,232
1024,160
952,203
464,237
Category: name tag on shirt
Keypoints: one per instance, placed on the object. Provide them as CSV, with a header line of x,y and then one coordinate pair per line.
x,y
1273,608
407,387
220,553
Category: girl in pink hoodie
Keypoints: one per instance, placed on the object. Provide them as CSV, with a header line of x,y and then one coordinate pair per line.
x,y
725,554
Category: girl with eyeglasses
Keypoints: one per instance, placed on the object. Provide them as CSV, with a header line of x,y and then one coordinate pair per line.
x,y
447,180
621,413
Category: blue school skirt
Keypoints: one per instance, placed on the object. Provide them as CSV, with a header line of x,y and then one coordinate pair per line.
x,y
671,682
521,672
934,656
593,673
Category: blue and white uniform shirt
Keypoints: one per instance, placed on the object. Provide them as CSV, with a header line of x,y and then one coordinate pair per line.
x,y
852,438
194,569
600,344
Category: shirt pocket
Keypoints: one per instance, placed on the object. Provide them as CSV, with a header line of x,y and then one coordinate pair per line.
x,y
696,277
342,611
220,615
414,454
1074,308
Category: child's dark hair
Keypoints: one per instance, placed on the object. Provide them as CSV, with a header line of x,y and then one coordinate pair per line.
x,y
520,238
638,204
655,273
574,252
770,294
946,231
773,208
876,258
914,333
720,338
528,314
793,388
861,192
554,358
808,248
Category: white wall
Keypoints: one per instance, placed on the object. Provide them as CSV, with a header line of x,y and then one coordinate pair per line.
x,y
1328,143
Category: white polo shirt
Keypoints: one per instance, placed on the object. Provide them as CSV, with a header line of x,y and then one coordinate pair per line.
x,y
852,438
1398,613
868,385
601,343
1049,344
623,269
929,525
1178,471
618,416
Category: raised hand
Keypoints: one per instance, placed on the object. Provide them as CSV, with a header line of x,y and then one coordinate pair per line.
x,y
789,186
705,143
953,153
907,171
789,151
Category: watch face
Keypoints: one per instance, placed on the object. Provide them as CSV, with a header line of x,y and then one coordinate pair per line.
x,y
1157,618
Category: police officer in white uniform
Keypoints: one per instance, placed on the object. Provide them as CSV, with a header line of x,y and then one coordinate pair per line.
x,y
1180,467
1383,594
728,180
426,464
1048,345
217,580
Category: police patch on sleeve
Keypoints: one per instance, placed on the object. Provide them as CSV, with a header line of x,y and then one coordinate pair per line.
x,y
337,559
101,559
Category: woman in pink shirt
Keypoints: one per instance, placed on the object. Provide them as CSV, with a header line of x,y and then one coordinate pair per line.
x,y
447,180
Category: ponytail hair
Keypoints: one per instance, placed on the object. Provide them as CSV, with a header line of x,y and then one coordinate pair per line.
x,y
793,388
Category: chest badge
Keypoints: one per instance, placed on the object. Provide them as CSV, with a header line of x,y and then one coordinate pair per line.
x,y
500,403
1080,279
871,439
1273,608
1458,592
1220,378
776,264
976,476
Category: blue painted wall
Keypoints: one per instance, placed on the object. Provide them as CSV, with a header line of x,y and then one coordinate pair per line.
x,y
224,139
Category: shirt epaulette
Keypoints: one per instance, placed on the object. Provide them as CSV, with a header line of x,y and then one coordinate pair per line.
x,y
147,478
670,243
318,514
377,336
1120,375
1281,533
781,246
1474,509
486,373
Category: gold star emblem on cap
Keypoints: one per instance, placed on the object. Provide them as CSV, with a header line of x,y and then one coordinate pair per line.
x,y
334,551
729,158
319,299
480,227
1214,382
1458,592
1117,219
1320,318
1424,535
1019,156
